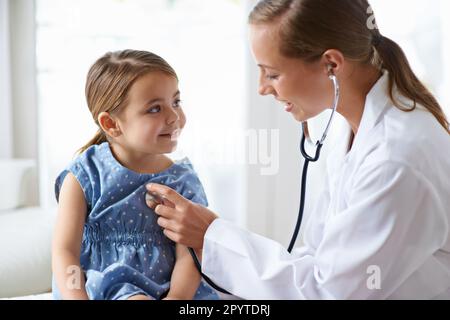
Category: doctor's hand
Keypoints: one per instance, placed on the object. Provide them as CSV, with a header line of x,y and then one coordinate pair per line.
x,y
183,221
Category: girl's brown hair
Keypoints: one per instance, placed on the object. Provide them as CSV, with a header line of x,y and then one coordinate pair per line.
x,y
310,27
111,77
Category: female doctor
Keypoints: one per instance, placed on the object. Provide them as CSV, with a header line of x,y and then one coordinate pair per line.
x,y
380,229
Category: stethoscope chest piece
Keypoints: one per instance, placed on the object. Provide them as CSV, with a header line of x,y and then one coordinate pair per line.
x,y
305,139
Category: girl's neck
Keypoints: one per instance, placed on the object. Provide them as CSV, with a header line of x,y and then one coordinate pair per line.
x,y
140,162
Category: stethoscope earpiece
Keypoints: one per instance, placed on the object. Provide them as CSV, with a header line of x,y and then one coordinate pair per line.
x,y
308,159
330,69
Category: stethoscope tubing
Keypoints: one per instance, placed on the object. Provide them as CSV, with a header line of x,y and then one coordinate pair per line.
x,y
308,159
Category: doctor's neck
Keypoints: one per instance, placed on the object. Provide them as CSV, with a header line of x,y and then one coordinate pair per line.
x,y
355,86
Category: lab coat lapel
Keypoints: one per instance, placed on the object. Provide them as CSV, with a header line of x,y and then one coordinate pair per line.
x,y
377,102
340,163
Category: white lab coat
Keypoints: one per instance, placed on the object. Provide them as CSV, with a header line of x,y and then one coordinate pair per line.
x,y
380,229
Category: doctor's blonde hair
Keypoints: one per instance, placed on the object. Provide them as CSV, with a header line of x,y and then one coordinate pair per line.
x,y
111,77
310,27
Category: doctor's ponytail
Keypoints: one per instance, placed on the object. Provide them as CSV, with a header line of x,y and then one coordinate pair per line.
x,y
393,59
308,28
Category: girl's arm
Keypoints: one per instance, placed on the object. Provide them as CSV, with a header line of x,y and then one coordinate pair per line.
x,y
67,239
185,277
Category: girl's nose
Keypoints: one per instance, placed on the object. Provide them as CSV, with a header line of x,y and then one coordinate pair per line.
x,y
172,116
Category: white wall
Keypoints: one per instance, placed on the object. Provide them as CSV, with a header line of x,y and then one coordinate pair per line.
x,y
273,200
23,64
23,91
444,88
422,29
6,145
204,48
259,189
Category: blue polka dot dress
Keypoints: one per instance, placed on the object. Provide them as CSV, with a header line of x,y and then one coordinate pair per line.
x,y
124,252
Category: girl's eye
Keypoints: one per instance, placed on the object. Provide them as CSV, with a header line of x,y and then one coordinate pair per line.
x,y
177,103
271,77
155,109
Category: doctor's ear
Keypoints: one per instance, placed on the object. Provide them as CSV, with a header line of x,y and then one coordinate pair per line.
x,y
333,60
109,125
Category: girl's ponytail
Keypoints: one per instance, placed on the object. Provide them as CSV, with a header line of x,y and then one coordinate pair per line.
x,y
99,138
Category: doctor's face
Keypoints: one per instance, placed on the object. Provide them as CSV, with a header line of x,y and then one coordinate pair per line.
x,y
303,88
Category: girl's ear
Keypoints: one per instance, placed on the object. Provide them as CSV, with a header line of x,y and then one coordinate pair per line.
x,y
109,125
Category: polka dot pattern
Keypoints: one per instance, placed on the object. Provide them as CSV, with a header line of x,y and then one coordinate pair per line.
x,y
124,252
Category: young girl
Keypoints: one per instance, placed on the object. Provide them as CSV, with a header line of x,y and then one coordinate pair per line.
x,y
107,244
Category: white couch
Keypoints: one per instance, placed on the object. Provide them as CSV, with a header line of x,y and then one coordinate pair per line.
x,y
25,251
25,235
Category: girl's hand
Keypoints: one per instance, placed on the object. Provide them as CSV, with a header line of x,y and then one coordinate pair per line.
x,y
183,221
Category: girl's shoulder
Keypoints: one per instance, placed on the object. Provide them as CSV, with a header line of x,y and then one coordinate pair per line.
x,y
180,170
185,164
86,168
93,156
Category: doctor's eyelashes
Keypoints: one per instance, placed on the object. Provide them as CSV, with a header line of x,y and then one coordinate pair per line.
x,y
272,77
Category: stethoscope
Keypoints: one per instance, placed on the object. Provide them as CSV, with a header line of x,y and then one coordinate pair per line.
x,y
305,139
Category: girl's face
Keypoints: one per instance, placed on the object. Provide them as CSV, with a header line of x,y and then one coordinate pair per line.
x,y
153,118
304,88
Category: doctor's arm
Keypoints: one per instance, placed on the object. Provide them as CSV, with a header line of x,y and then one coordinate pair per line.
x,y
375,232
366,252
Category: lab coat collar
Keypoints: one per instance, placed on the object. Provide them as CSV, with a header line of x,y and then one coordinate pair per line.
x,y
377,102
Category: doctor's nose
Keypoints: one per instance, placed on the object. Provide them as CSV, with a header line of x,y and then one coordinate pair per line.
x,y
266,89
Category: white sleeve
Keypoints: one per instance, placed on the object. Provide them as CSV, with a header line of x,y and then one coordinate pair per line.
x,y
393,222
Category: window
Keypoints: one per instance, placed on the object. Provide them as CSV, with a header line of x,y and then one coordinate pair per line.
x,y
203,40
